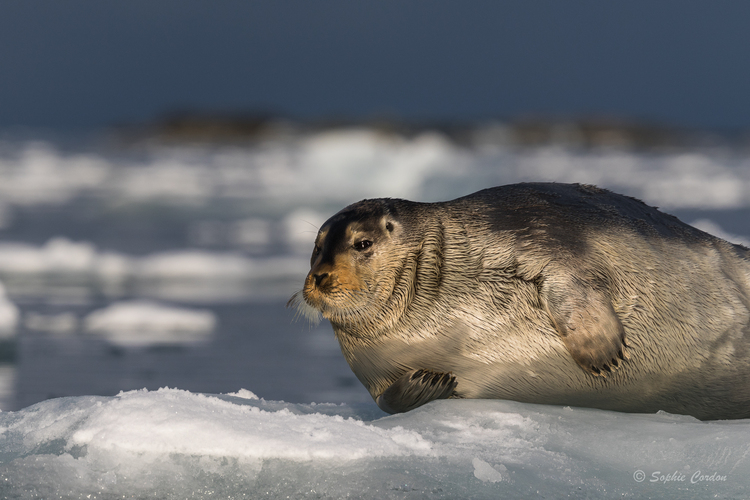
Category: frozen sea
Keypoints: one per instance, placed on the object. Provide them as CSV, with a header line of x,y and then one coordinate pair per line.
x,y
143,299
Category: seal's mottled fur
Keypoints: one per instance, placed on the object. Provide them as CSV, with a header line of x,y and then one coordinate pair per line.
x,y
543,293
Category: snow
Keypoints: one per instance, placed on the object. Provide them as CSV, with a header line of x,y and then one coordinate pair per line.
x,y
343,166
301,228
58,255
486,472
58,324
8,315
677,180
182,274
140,323
7,384
712,227
39,174
176,444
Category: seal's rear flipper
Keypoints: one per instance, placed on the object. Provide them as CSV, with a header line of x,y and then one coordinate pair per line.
x,y
589,327
415,388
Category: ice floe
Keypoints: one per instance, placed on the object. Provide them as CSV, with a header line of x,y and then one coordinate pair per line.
x,y
176,444
342,166
184,274
9,315
140,322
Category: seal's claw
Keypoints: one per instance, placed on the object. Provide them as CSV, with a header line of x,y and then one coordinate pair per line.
x,y
415,388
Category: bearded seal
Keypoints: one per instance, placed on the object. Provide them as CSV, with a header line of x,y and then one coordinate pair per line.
x,y
540,293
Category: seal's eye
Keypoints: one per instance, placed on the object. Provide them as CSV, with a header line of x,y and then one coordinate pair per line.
x,y
315,253
362,245
389,226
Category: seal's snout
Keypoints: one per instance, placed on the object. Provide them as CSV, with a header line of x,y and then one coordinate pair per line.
x,y
320,278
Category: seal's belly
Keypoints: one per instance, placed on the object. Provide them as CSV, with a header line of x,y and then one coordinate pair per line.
x,y
546,374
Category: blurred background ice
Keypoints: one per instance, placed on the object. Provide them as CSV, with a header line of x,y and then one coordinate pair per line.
x,y
157,262
164,168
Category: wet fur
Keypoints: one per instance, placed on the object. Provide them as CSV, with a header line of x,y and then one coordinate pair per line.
x,y
543,293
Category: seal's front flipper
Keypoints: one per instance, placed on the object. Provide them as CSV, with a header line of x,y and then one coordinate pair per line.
x,y
415,388
589,327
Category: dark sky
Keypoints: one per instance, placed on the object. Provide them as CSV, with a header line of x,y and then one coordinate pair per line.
x,y
90,63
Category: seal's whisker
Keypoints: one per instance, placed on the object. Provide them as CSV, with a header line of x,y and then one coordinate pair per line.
x,y
303,309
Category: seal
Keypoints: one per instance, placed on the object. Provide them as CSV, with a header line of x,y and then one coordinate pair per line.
x,y
541,293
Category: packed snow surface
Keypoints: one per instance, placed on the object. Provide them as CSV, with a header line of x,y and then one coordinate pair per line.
x,y
177,444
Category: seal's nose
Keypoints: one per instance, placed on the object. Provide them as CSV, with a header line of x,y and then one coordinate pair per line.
x,y
319,278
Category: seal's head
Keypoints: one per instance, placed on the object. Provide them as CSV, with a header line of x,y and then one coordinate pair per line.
x,y
358,256
350,260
